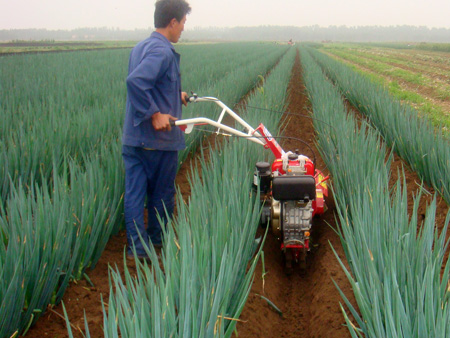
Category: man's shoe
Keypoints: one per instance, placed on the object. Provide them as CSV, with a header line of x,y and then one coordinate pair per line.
x,y
142,258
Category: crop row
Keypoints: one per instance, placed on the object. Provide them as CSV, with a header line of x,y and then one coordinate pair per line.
x,y
62,174
72,106
393,68
395,261
397,59
209,252
435,47
404,85
426,150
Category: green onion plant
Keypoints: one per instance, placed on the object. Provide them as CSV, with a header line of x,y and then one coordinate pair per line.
x,y
397,265
200,285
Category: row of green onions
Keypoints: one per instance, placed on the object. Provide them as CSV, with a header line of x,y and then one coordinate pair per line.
x,y
61,168
51,234
398,270
425,148
209,252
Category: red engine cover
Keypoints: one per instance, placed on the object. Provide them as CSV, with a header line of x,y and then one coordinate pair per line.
x,y
318,204
278,165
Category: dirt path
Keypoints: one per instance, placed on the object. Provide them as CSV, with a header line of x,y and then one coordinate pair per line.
x,y
309,304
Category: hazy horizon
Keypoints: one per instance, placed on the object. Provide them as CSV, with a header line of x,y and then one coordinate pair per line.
x,y
138,14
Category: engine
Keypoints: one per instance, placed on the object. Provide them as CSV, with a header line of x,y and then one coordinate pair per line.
x,y
289,192
292,210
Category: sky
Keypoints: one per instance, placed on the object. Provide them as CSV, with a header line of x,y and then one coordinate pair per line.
x,y
138,14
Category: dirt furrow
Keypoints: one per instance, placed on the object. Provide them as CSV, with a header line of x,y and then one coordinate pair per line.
x,y
309,303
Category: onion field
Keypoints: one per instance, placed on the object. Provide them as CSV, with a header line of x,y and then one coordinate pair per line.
x,y
379,260
419,77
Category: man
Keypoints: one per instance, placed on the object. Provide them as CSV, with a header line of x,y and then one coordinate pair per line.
x,y
150,146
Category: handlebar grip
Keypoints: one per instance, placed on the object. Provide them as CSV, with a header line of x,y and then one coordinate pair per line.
x,y
192,98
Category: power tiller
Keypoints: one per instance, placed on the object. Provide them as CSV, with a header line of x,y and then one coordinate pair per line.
x,y
291,189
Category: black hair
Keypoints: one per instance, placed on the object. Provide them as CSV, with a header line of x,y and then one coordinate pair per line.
x,y
166,10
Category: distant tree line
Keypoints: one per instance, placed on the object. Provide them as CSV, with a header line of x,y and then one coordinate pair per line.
x,y
261,33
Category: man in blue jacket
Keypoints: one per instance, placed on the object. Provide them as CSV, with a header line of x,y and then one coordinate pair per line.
x,y
150,146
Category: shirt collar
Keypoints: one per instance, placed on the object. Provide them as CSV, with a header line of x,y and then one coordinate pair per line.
x,y
161,37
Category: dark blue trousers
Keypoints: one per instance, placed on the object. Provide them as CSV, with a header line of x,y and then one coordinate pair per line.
x,y
148,174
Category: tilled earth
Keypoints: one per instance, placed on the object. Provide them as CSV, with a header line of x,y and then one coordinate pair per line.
x,y
309,302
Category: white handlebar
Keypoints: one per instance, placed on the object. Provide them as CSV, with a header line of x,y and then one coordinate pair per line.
x,y
251,135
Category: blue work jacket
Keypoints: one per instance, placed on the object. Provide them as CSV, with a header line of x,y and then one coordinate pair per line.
x,y
153,85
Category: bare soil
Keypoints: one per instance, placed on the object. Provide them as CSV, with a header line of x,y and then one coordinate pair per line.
x,y
309,303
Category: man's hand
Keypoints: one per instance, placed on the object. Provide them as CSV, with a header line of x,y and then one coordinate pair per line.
x,y
161,122
184,98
